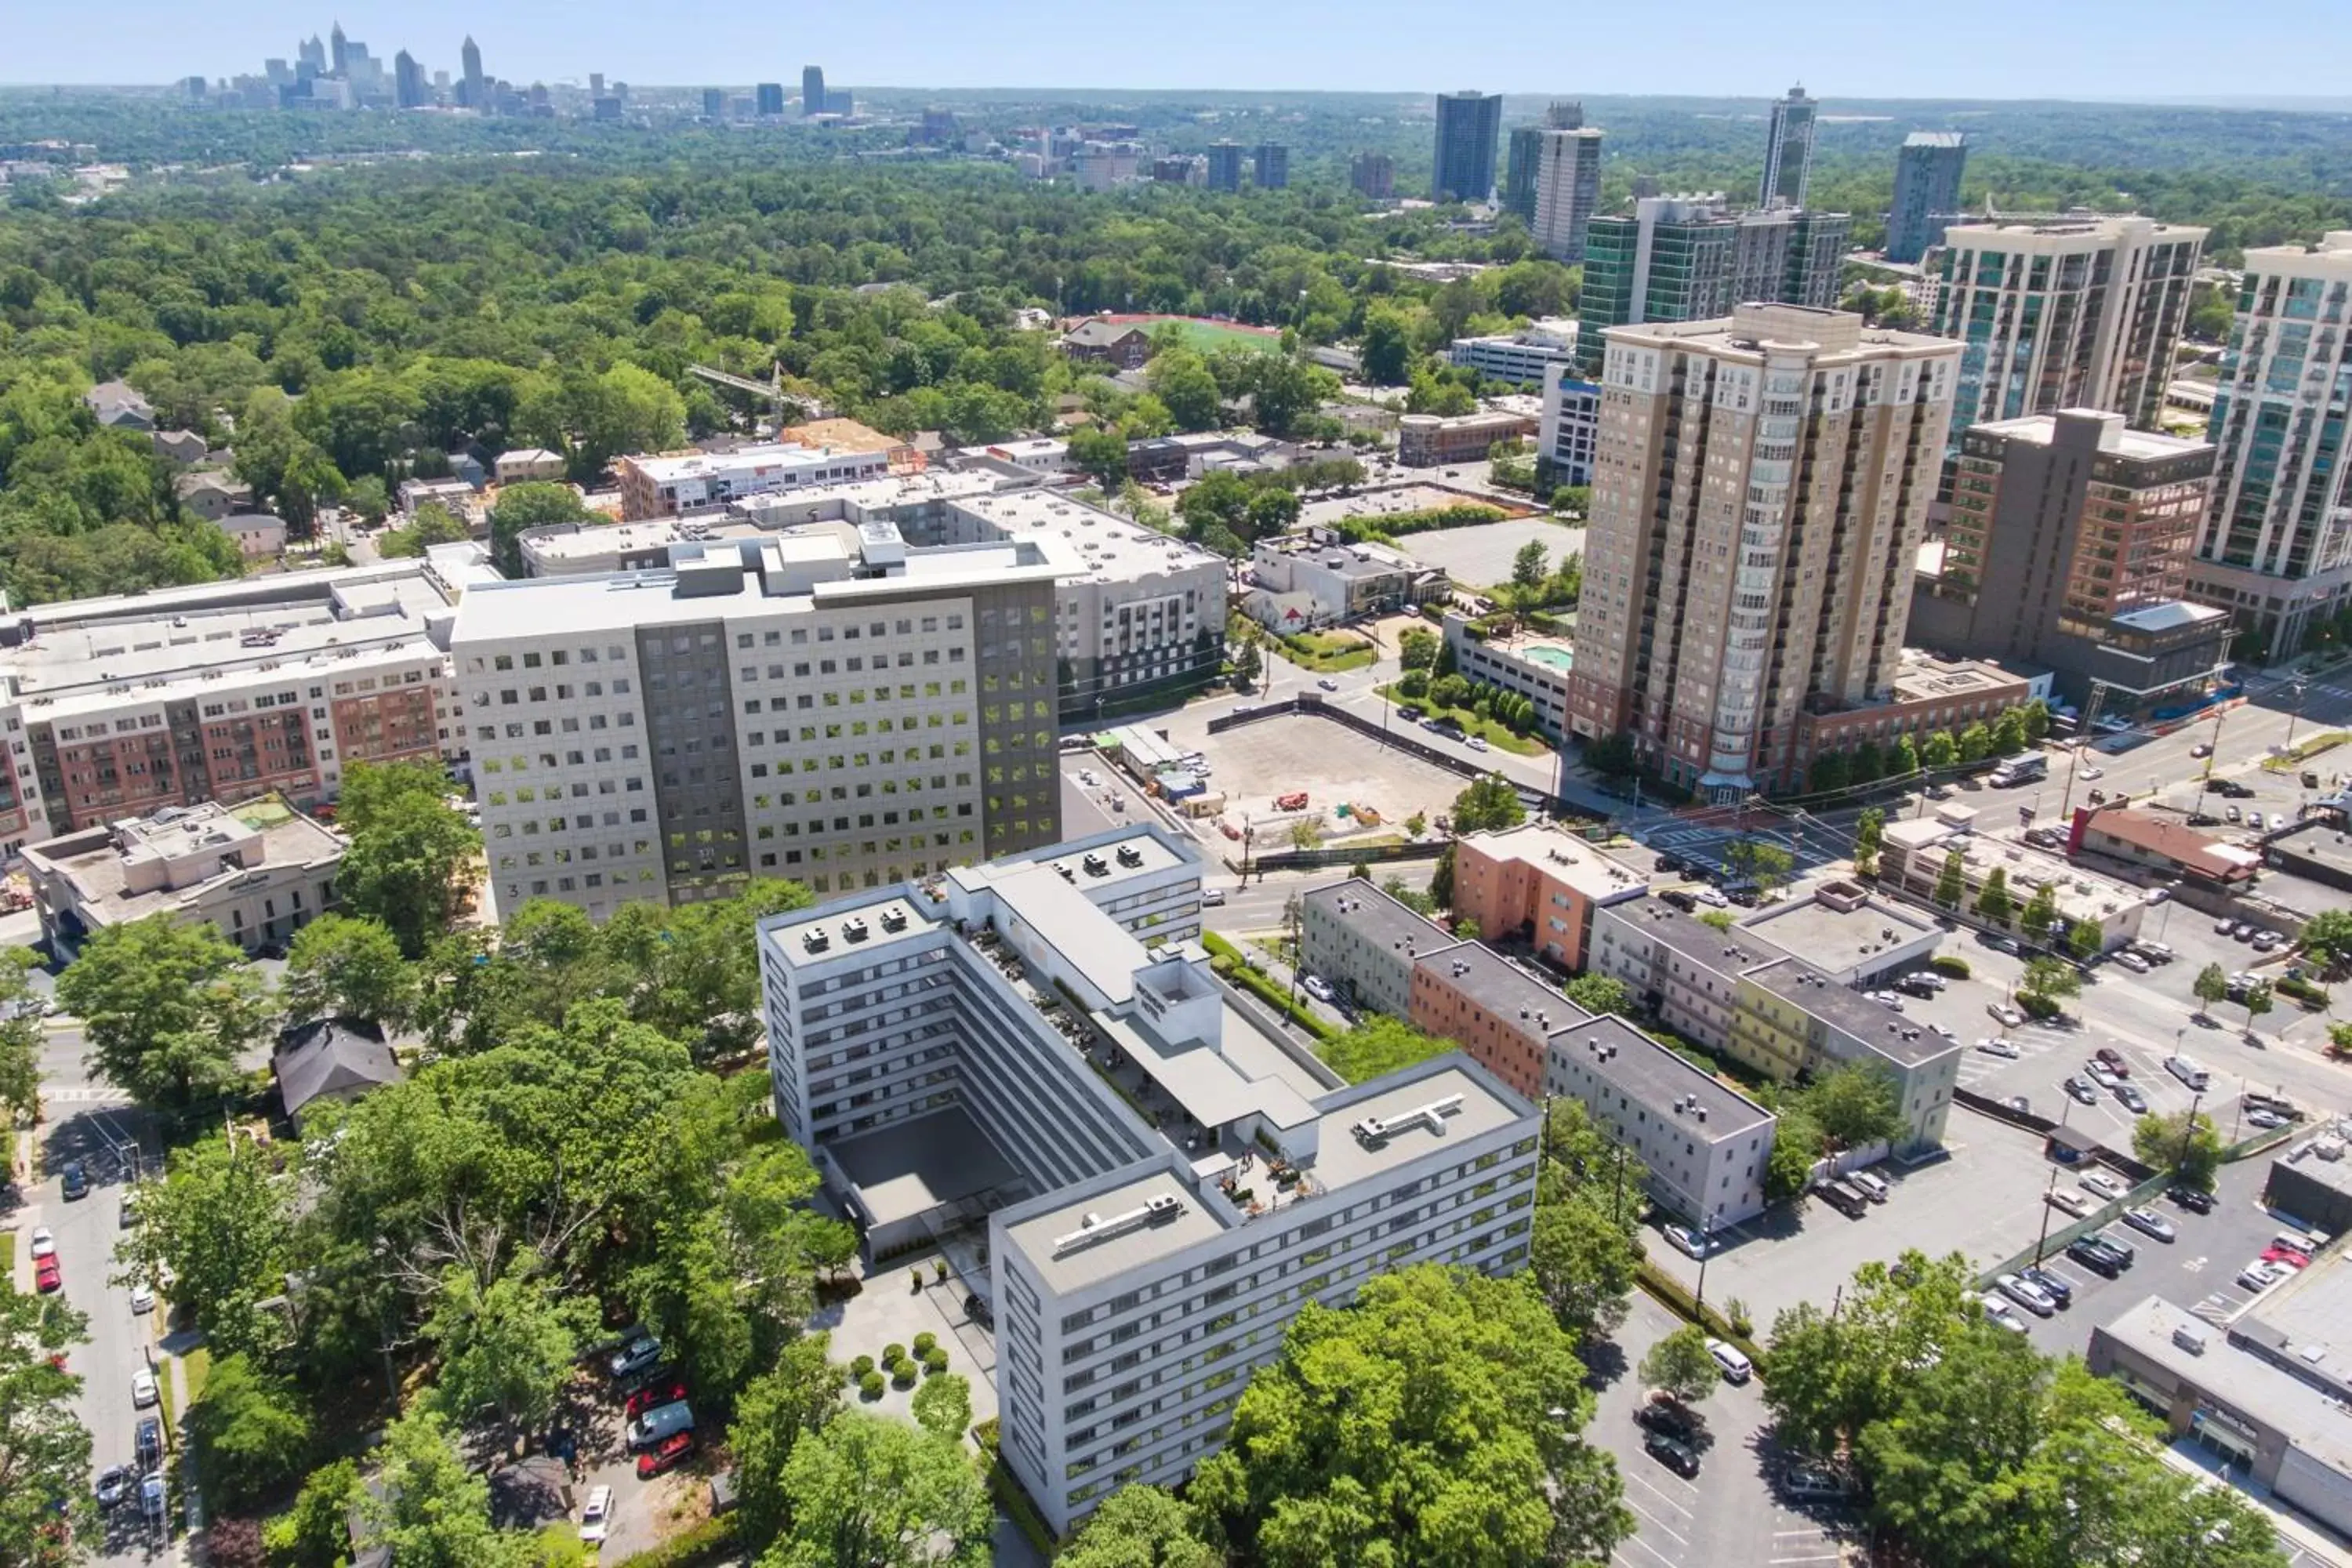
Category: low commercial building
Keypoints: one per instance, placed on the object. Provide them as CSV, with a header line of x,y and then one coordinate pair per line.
x,y
1536,884
1366,945
1120,343
1569,431
1913,855
1524,356
1536,665
1164,459
965,1063
1429,441
2263,1394
1316,577
256,872
1847,931
672,483
529,463
1927,694
2161,842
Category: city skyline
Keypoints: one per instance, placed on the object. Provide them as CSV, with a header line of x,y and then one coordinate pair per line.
x,y
2079,54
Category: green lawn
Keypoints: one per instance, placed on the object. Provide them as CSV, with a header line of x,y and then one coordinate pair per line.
x,y
1209,336
1328,653
1500,736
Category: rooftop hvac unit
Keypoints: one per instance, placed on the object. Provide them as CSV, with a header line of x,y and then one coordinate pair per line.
x,y
854,928
1380,1129
814,938
1155,1210
893,920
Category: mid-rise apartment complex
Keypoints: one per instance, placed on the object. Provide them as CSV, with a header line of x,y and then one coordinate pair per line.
x,y
1692,258
1467,125
833,706
1758,500
1566,191
1138,618
1788,151
1926,192
1522,356
968,1053
1540,886
117,707
1570,431
2068,546
668,485
2276,550
2072,311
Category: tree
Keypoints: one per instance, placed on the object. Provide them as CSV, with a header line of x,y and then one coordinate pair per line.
x,y
1180,379
2257,1001
1976,743
2009,732
1952,880
1272,512
1307,833
1417,647
535,503
505,1347
1598,994
1854,1104
1905,759
1528,569
1940,749
166,1008
2035,716
20,1038
432,523
430,1507
1829,773
2050,980
1379,1046
408,846
1140,1526
1681,1365
2210,986
249,1433
776,1412
2327,938
1869,833
219,1224
1796,1146
1993,901
1101,453
2041,915
878,1493
1760,861
338,967
44,1447
1347,1420
2086,939
1490,802
942,1406
1386,346
368,497
316,1533
1610,755
2168,1141
1584,1261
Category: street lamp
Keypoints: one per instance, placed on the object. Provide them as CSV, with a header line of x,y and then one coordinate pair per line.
x,y
2293,712
1705,1248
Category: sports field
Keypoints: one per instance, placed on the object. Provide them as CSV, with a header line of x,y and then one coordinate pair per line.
x,y
1206,335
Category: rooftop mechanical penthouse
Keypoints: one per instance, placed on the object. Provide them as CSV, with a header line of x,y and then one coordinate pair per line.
x,y
1037,1048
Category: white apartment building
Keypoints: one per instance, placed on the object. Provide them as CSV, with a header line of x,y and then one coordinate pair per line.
x,y
829,706
1524,356
119,706
950,1054
2276,549
1570,431
1567,191
2076,310
1138,618
665,486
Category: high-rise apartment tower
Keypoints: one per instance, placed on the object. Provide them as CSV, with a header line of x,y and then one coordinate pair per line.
x,y
1567,189
1926,192
1467,125
1788,153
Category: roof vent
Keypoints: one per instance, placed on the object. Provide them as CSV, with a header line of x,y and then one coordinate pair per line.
x,y
1380,1129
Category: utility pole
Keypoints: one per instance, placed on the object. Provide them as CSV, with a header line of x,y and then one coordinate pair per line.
x,y
2083,731
2043,1239
2188,1134
2293,712
1705,1248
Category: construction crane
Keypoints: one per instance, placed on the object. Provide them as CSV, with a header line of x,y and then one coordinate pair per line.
x,y
773,389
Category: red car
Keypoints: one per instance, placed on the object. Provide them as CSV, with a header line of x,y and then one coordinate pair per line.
x,y
2285,1255
45,1277
666,1455
654,1395
2114,1061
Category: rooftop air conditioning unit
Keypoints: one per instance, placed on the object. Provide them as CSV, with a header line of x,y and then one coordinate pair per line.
x,y
814,939
854,928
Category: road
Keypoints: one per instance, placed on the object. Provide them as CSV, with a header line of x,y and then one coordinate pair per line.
x,y
91,1123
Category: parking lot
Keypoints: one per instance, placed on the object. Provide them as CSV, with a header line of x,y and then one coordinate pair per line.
x,y
1981,1196
1744,1518
1255,763
1481,557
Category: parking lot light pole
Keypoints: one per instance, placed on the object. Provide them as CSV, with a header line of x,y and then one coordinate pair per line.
x,y
2188,1132
2043,1240
1705,1248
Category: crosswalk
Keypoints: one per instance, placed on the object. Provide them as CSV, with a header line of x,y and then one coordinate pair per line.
x,y
98,1094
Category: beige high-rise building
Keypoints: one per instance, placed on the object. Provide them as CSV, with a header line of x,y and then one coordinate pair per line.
x,y
1567,190
2079,310
1758,495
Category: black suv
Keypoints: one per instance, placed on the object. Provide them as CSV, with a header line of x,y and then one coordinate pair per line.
x,y
1675,1456
2098,1260
1677,1421
2190,1199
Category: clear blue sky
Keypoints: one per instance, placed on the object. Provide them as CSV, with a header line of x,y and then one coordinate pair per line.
x,y
1882,48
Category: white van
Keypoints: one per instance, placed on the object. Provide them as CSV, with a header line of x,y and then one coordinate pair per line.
x,y
660,1422
1871,1185
2187,1072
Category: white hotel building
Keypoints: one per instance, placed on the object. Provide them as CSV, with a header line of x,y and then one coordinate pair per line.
x,y
1039,1044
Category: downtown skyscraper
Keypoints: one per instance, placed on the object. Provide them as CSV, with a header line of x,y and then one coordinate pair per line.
x,y
1788,151
1468,124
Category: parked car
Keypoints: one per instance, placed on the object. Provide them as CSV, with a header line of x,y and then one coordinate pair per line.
x,y
666,1391
2082,1091
114,1484
2133,1100
1662,1412
2114,1244
142,1298
2189,1198
2113,1059
2099,1182
1676,1456
2027,1294
74,1181
2132,961
596,1517
2054,1285
2067,1198
2009,1017
1327,684
148,1447
2000,1313
2259,1276
2202,749
151,1494
2148,1222
142,1388
2099,1074
657,1425
2095,1258
1477,743
637,1353
43,1243
1810,1480
1691,1242
47,1279
1873,1185
1999,1046
1316,987
2265,1120
2286,1256
666,1455
1211,898
1737,1367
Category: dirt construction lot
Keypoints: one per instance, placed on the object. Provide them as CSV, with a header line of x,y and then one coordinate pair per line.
x,y
1481,557
1256,763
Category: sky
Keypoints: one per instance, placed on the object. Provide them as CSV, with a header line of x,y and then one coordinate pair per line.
x,y
2148,51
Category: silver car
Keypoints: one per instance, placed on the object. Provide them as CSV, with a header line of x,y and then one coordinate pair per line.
x,y
2148,1222
2027,1294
